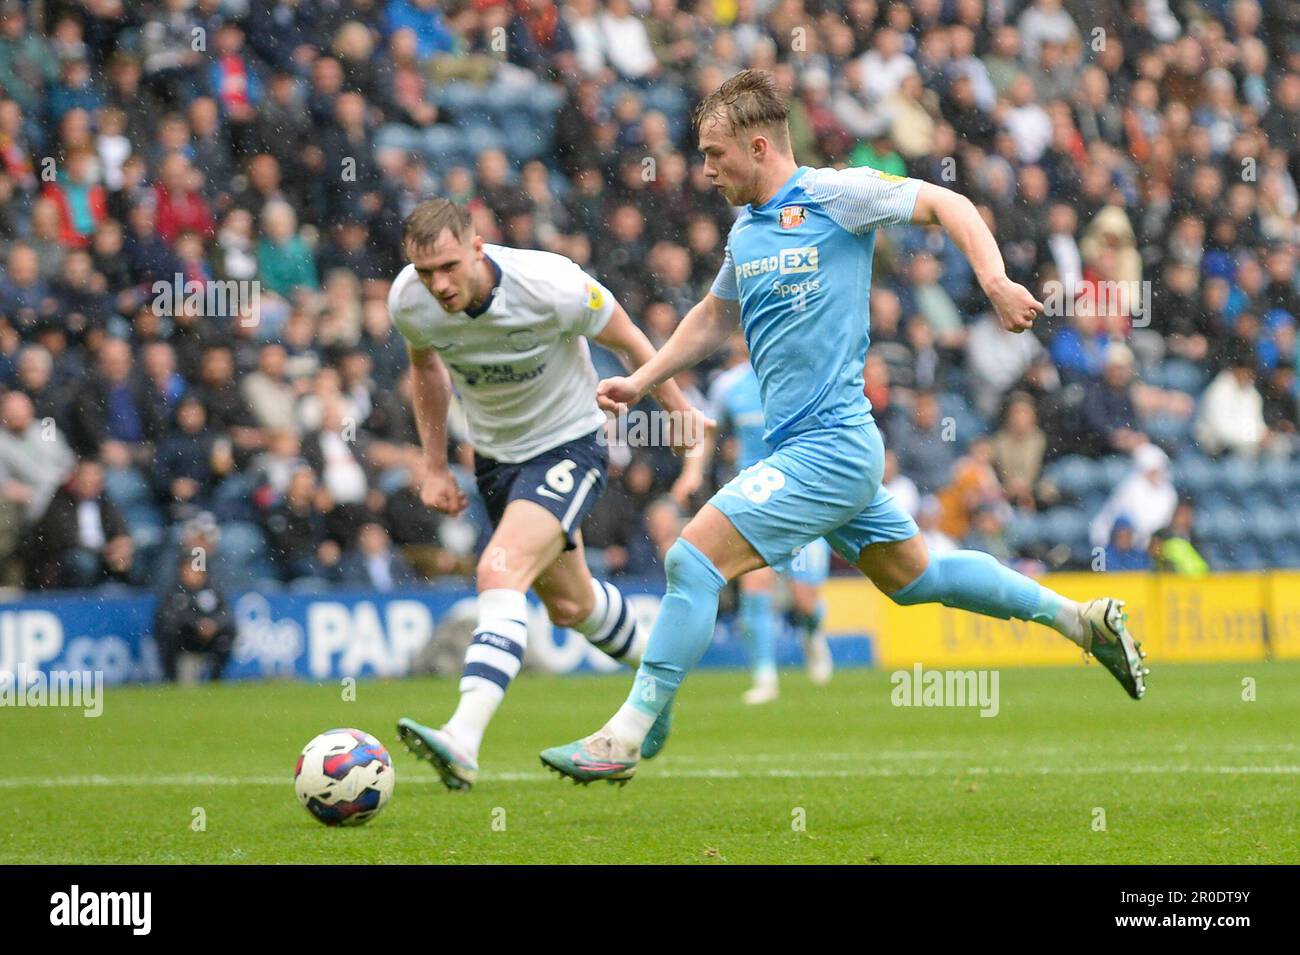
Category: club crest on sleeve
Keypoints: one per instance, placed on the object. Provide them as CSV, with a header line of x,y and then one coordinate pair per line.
x,y
793,216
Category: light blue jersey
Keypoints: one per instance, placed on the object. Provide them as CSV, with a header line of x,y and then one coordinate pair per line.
x,y
737,406
800,266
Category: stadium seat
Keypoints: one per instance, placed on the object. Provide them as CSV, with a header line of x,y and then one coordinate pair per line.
x,y
1074,474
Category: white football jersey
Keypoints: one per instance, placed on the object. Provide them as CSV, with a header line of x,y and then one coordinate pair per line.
x,y
522,368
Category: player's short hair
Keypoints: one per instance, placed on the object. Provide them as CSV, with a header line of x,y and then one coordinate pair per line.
x,y
428,220
749,100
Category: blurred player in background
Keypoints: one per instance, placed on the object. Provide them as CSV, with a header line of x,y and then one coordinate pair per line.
x,y
509,328
737,406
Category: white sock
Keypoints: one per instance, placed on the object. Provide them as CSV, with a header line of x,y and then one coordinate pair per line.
x,y
1069,623
612,627
630,725
491,662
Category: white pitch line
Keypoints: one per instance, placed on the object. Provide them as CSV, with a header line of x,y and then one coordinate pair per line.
x,y
186,781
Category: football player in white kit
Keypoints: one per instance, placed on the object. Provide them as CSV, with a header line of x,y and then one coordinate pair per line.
x,y
508,328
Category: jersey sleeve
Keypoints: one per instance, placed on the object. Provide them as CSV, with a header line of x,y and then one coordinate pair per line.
x,y
724,286
582,304
418,335
862,199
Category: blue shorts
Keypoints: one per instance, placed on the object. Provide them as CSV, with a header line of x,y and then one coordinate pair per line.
x,y
820,483
567,481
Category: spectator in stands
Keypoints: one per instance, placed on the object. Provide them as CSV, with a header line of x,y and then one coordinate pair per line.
x,y
1122,552
926,446
113,414
296,532
1173,554
193,626
34,462
1145,498
82,540
1018,450
375,564
191,460
1232,410
284,264
1110,416
927,521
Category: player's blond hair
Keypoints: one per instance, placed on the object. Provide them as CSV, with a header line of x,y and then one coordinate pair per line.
x,y
747,101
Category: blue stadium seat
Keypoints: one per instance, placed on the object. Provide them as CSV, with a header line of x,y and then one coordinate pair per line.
x,y
1268,525
1181,375
1239,475
1195,474
1245,555
1074,474
1285,554
1115,468
1023,530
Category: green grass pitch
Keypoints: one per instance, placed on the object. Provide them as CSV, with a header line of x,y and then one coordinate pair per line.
x,y
1192,774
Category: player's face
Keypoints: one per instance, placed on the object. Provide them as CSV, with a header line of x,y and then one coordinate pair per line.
x,y
728,162
448,268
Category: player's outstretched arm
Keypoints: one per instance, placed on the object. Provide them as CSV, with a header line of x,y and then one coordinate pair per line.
x,y
698,335
621,336
431,397
1016,306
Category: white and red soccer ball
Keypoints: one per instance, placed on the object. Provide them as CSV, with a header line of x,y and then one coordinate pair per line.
x,y
344,777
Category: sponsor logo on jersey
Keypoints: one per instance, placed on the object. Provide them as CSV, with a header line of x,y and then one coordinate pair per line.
x,y
798,289
595,297
887,176
800,260
788,262
495,374
793,216
768,263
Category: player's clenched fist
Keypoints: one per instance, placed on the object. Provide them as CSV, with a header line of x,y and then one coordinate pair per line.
x,y
616,395
690,430
1016,306
440,491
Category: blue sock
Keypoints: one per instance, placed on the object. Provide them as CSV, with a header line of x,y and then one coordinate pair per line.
x,y
975,581
756,619
680,636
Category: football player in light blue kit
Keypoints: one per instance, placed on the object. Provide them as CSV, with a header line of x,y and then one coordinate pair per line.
x,y
796,275
737,405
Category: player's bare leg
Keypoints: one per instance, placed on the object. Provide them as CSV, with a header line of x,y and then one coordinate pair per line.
x,y
709,553
596,609
969,580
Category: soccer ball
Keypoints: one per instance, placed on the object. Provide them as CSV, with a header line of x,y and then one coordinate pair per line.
x,y
344,777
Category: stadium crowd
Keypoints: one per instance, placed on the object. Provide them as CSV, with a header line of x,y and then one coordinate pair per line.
x,y
272,148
